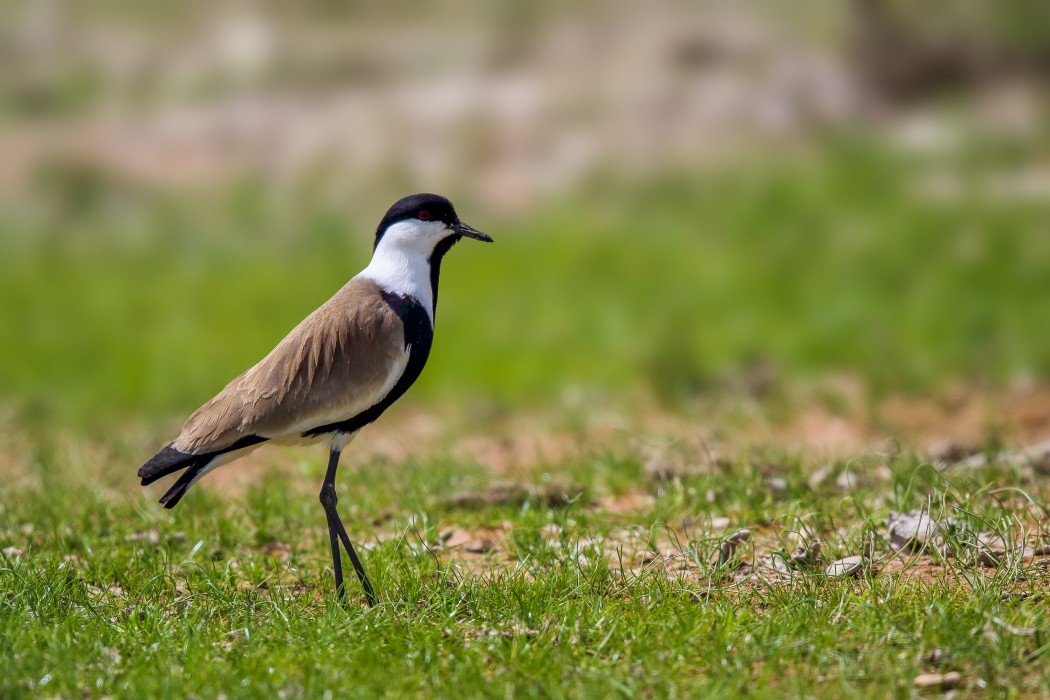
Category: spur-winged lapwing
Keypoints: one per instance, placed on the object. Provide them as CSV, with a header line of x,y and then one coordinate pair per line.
x,y
337,371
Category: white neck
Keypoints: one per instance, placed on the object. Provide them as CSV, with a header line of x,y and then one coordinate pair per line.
x,y
401,261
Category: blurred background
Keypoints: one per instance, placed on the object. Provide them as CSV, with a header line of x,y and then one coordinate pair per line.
x,y
688,198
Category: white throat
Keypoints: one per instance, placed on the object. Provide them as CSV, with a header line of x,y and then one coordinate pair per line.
x,y
401,261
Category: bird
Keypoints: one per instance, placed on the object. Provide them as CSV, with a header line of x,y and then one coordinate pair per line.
x,y
335,372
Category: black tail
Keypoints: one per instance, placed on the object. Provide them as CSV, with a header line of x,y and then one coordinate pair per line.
x,y
173,495
167,461
170,460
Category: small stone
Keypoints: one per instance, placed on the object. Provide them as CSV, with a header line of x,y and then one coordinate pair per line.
x,y
911,530
820,476
658,468
777,563
151,536
989,557
882,473
482,545
946,681
719,522
277,550
933,657
457,538
952,451
729,545
739,536
847,480
776,484
846,567
502,493
805,555
550,531
1040,462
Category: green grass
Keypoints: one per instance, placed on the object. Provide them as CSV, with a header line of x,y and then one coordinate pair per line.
x,y
94,607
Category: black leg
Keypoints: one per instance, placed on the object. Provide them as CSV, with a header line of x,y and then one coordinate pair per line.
x,y
370,594
337,559
337,532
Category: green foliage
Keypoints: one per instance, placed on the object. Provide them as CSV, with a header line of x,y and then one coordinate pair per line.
x,y
118,302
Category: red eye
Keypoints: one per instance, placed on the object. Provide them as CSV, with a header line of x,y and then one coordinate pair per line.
x,y
424,215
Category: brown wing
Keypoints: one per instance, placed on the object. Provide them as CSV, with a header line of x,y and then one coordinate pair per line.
x,y
342,359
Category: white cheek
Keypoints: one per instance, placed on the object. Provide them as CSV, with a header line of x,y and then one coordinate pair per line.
x,y
419,236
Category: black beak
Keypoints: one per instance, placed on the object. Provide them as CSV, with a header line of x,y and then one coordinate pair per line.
x,y
470,232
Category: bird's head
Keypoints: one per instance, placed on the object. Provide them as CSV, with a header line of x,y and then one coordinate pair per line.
x,y
421,223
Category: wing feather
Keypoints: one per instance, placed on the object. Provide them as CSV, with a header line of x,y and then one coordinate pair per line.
x,y
342,359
